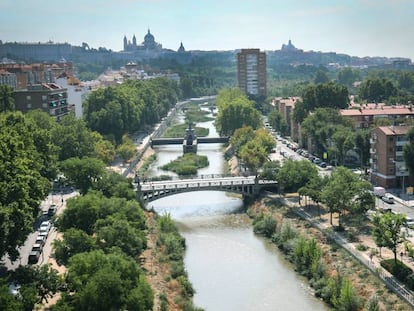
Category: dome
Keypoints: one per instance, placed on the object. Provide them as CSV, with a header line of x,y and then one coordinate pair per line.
x,y
149,37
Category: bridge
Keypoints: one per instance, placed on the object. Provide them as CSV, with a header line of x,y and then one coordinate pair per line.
x,y
179,141
247,186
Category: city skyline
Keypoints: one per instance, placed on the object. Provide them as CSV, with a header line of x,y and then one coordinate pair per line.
x,y
354,27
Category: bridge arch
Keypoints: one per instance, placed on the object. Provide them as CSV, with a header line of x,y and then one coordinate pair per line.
x,y
247,186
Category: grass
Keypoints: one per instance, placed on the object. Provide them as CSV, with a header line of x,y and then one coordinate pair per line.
x,y
187,164
179,131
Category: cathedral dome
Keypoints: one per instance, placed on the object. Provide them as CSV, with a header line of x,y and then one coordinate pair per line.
x,y
149,37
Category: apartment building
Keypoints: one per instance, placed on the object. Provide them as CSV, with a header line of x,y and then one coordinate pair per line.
x,y
366,115
388,168
48,97
251,72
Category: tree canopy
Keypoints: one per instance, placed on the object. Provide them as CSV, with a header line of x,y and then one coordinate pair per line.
x,y
235,110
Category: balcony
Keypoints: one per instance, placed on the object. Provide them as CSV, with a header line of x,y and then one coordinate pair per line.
x,y
372,150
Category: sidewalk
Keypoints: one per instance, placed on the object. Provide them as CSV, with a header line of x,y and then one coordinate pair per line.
x,y
372,263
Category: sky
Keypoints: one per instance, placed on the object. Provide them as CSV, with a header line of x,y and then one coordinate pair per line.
x,y
354,27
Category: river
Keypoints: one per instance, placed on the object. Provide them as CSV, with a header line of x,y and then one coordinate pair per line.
x,y
229,266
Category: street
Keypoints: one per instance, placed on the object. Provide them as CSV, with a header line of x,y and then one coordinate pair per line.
x,y
60,201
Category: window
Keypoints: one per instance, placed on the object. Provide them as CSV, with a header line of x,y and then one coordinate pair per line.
x,y
44,97
29,105
28,97
44,105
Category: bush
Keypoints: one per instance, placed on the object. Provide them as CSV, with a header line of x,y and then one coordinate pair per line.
x,y
399,270
265,226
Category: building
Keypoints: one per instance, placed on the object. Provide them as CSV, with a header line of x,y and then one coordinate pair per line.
x,y
148,43
251,71
387,163
48,97
365,116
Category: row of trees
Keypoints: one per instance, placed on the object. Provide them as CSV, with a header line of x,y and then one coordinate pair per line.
x,y
130,107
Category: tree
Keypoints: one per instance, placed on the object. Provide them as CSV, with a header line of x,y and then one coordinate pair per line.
x,y
127,149
241,136
235,111
278,122
83,173
73,138
344,192
6,99
22,181
347,76
388,228
321,126
74,241
296,174
107,282
321,77
325,95
348,300
377,90
254,155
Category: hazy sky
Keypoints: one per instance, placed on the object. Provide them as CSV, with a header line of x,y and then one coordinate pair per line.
x,y
354,27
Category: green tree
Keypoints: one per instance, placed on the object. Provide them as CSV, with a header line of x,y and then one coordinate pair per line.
x,y
344,192
241,136
321,77
107,282
74,241
22,185
73,138
325,95
347,76
235,112
127,149
83,173
6,99
377,90
388,228
348,300
278,122
296,174
253,155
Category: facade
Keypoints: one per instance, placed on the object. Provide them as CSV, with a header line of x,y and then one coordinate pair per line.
x,y
48,97
365,116
251,71
387,163
148,44
285,107
20,76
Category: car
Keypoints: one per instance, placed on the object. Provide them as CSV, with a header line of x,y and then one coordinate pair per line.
x,y
317,161
388,198
52,210
40,239
43,234
37,247
33,257
46,224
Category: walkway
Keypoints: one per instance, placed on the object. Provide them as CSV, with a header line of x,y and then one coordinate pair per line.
x,y
363,257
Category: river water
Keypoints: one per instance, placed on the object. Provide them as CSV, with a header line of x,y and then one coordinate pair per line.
x,y
230,267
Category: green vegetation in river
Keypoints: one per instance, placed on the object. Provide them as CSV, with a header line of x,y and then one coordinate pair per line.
x,y
195,114
179,131
187,164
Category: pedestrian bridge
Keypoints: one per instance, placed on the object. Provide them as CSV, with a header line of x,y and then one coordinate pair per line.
x,y
148,191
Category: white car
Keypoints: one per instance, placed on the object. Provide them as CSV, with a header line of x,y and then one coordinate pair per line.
x,y
388,198
45,226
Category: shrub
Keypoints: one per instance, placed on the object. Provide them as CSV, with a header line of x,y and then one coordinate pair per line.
x,y
399,270
265,226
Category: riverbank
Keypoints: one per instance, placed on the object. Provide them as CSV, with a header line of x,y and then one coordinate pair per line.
x,y
365,283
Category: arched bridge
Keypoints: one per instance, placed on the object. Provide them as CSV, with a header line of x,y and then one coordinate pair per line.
x,y
247,186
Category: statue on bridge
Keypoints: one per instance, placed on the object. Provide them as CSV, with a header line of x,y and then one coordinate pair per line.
x,y
190,140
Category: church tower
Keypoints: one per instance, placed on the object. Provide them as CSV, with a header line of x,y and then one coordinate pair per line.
x,y
134,41
125,43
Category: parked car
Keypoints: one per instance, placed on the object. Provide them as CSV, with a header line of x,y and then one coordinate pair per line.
x,y
40,239
45,227
52,210
388,198
33,257
322,164
37,247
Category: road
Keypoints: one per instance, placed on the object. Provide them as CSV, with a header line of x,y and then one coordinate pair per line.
x,y
60,201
